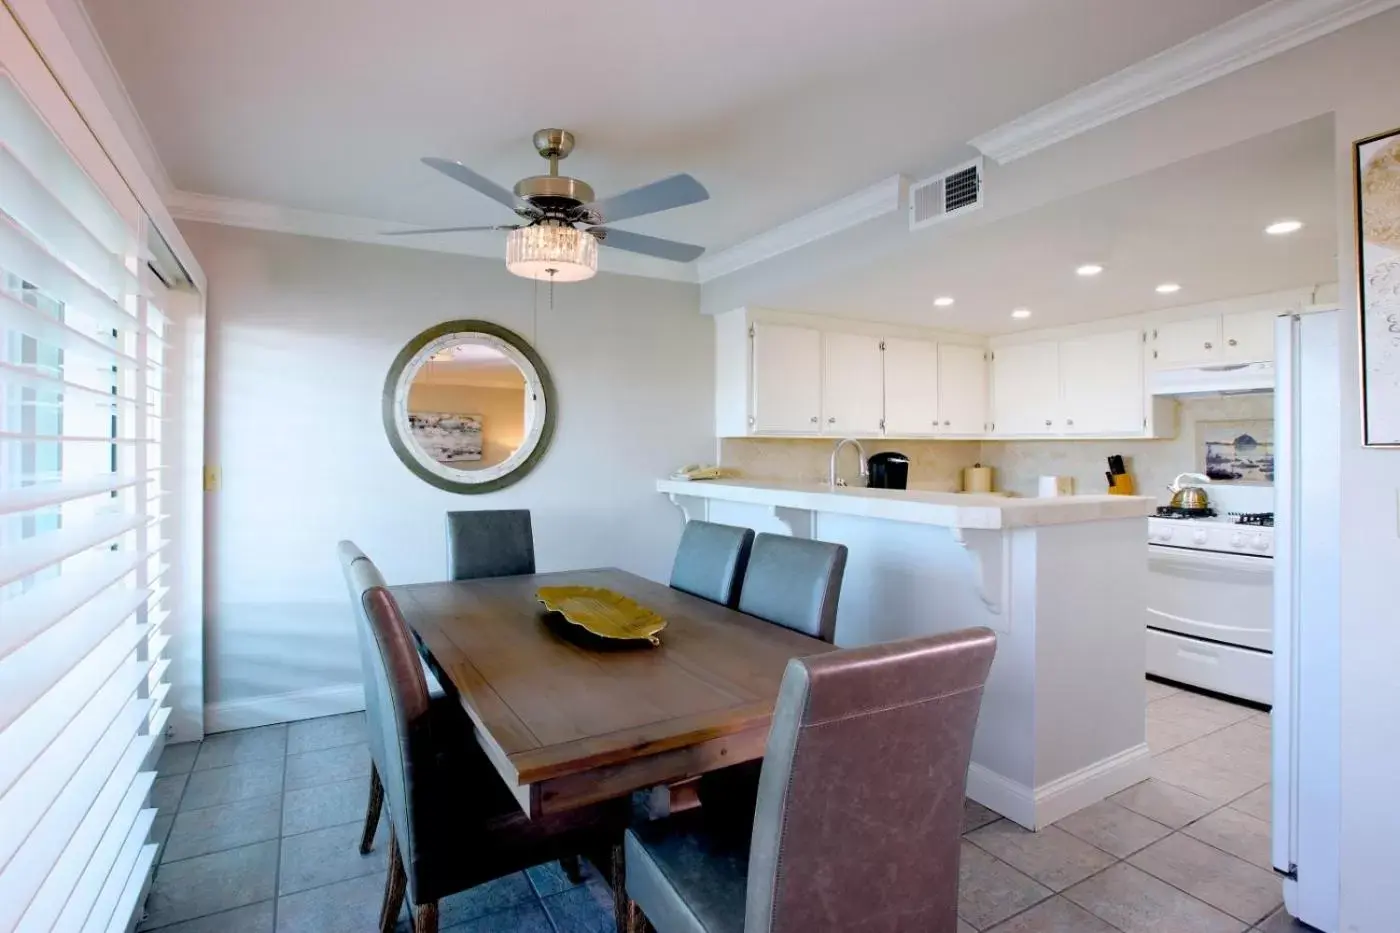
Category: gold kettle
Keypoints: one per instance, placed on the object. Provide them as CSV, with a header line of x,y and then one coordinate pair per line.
x,y
1189,497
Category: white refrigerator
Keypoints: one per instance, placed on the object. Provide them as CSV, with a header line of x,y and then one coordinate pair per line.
x,y
1306,711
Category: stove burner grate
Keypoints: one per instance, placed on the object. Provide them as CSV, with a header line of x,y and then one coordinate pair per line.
x,y
1174,511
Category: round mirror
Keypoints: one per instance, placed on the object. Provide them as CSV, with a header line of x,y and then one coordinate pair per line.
x,y
469,406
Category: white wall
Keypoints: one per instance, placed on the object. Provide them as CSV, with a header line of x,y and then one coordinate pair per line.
x,y
301,335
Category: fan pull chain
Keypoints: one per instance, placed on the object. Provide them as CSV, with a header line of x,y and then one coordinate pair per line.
x,y
534,310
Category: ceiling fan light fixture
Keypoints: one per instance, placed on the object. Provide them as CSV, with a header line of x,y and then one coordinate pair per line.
x,y
552,252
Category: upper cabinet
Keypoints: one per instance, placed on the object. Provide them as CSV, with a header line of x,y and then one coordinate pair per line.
x,y
1237,337
787,379
853,387
1101,383
1247,336
1089,386
912,384
779,374
1026,388
1185,343
962,390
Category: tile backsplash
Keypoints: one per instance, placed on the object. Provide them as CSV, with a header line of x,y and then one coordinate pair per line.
x,y
1018,464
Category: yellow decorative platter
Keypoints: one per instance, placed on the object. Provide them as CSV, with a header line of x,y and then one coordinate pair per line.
x,y
603,612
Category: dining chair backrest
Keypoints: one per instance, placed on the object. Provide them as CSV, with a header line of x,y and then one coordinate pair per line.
x,y
360,575
795,583
860,800
710,561
489,543
396,712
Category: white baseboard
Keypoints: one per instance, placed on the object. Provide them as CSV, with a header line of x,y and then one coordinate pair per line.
x,y
1038,808
283,707
1078,789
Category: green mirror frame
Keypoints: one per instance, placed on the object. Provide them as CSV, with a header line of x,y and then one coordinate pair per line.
x,y
542,406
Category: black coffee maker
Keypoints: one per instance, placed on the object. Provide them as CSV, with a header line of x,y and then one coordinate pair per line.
x,y
888,470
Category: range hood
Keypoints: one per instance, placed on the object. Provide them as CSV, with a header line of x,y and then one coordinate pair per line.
x,y
1231,379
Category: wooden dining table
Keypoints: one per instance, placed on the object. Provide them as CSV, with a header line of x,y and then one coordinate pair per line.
x,y
568,720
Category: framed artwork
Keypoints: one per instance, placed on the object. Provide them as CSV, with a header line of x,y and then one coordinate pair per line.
x,y
446,437
1377,171
1236,451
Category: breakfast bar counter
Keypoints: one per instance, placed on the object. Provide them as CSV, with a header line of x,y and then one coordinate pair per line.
x,y
1062,581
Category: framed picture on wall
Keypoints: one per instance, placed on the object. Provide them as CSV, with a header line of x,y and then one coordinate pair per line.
x,y
1377,170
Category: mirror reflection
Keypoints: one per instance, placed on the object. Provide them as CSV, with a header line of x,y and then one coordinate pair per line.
x,y
467,406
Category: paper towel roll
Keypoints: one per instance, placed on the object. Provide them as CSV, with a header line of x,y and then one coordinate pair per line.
x,y
1056,486
977,478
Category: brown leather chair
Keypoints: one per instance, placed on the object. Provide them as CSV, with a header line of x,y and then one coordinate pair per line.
x,y
444,706
859,812
453,823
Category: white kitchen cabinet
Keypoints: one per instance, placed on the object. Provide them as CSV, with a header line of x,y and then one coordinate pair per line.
x,y
787,379
1026,388
1247,336
1101,384
853,385
1179,344
962,389
913,379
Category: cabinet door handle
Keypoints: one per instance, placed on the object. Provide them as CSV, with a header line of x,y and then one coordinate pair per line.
x,y
831,420
1047,422
1208,346
947,424
1070,422
814,419
1232,342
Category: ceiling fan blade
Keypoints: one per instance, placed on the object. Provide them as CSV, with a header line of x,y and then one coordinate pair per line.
x,y
676,191
459,172
648,245
445,230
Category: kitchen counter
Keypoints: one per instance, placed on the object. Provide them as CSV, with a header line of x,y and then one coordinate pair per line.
x,y
1061,581
945,509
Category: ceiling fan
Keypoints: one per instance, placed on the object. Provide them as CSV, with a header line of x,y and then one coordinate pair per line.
x,y
550,244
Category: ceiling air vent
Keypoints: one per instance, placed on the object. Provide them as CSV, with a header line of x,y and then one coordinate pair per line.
x,y
938,198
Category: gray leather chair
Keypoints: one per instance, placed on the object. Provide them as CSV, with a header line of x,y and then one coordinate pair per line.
x,y
795,583
487,543
710,561
453,823
443,704
859,813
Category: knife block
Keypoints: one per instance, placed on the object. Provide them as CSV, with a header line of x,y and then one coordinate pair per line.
x,y
1123,485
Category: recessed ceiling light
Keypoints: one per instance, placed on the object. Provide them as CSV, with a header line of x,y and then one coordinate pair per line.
x,y
1088,269
942,302
1166,288
1279,228
1021,313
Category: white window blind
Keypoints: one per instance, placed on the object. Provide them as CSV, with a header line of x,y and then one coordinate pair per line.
x,y
83,575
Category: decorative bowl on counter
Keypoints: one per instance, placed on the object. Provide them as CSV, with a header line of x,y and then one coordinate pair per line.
x,y
603,612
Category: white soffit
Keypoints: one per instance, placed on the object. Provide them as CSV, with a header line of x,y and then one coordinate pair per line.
x,y
234,212
884,197
1246,40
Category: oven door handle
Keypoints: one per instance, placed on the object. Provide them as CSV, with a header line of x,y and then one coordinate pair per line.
x,y
1180,560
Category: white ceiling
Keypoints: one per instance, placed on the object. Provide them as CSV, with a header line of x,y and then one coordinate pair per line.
x,y
777,106
1198,223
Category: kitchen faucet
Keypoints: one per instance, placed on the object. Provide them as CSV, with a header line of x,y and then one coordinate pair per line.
x,y
864,470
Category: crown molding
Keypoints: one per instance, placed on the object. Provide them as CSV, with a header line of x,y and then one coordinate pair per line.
x,y
1247,39
257,215
877,200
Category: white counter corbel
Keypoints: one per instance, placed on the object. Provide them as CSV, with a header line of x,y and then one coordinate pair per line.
x,y
1061,581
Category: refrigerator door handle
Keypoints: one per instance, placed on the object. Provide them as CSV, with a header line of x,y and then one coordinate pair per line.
x,y
1285,709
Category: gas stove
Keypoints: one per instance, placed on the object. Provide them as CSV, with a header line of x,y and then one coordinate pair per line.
x,y
1245,533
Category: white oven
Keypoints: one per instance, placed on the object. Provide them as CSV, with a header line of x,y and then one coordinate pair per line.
x,y
1210,613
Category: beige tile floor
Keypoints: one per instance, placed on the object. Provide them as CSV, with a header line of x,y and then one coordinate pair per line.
x,y
1184,852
